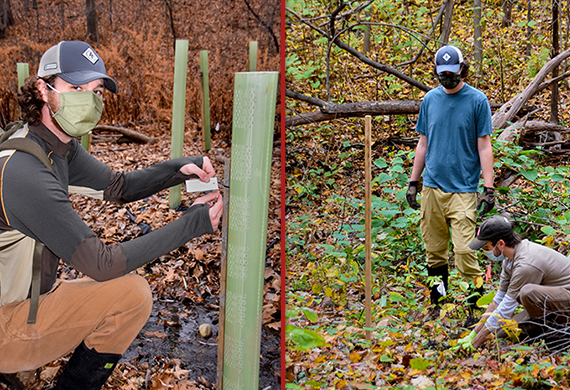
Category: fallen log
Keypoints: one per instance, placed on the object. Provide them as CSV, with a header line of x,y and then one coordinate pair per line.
x,y
510,109
135,135
530,126
334,111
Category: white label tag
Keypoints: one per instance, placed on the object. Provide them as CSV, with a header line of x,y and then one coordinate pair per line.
x,y
441,289
197,185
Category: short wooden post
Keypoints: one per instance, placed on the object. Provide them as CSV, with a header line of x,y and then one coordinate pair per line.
x,y
368,223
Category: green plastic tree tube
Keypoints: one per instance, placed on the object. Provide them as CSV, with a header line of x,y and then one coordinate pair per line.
x,y
178,112
253,56
252,139
205,99
23,73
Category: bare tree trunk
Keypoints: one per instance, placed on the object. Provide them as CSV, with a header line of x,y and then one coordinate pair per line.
x,y
478,55
170,17
111,16
507,13
35,6
7,19
555,51
366,46
446,29
92,25
528,28
62,14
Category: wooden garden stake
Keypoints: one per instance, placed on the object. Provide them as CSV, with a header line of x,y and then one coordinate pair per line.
x,y
368,223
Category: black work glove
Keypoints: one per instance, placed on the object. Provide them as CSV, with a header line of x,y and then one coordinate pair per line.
x,y
412,193
486,200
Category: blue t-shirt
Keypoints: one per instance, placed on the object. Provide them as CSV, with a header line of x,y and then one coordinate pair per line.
x,y
452,124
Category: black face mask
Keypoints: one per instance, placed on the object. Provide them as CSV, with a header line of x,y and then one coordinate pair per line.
x,y
449,81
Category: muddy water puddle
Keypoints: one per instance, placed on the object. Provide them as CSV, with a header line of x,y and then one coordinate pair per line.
x,y
172,332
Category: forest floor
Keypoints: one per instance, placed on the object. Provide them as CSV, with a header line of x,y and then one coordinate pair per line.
x,y
169,353
408,348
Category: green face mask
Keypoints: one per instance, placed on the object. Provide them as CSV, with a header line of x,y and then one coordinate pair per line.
x,y
78,112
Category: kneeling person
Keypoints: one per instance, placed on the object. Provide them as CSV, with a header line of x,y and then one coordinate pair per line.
x,y
532,275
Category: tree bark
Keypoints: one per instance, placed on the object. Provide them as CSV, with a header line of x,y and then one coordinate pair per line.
x,y
6,17
335,111
127,132
507,12
555,51
477,36
448,18
92,21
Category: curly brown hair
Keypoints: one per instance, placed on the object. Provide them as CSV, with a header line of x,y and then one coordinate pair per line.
x,y
31,101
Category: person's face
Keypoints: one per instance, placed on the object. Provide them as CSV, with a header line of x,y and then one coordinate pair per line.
x,y
61,85
494,248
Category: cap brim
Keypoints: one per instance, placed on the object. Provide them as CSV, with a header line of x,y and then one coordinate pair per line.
x,y
448,68
84,77
477,244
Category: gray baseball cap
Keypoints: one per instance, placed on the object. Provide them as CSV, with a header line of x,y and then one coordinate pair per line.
x,y
448,59
75,62
493,228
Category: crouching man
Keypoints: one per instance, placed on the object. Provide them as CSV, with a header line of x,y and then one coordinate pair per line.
x,y
532,275
41,318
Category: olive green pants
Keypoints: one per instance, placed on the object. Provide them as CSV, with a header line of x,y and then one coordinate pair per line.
x,y
107,316
446,216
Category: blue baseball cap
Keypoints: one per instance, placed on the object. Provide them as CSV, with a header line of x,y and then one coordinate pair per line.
x,y
75,62
448,59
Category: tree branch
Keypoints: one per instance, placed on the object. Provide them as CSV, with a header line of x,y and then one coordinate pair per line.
x,y
308,99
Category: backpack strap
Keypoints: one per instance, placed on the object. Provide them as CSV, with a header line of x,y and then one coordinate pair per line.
x,y
29,146
36,282
25,145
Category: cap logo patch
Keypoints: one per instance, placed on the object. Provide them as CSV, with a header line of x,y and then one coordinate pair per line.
x,y
90,55
53,65
446,57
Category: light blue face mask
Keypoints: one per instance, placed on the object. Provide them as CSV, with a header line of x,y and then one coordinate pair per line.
x,y
492,257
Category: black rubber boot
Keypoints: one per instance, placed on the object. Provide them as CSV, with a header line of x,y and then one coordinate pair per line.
x,y
443,272
87,369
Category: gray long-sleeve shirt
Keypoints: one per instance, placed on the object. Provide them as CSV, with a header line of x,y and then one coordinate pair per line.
x,y
35,201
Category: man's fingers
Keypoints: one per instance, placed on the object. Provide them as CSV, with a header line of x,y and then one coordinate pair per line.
x,y
207,198
208,168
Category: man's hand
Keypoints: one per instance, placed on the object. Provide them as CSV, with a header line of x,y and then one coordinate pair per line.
x,y
466,343
216,203
412,194
204,174
486,200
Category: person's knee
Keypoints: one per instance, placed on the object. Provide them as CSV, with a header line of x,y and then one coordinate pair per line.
x,y
526,295
137,294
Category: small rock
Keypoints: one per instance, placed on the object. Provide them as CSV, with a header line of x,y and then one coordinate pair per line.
x,y
327,303
205,330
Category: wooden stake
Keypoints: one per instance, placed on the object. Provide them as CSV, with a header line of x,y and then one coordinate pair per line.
x,y
368,223
223,271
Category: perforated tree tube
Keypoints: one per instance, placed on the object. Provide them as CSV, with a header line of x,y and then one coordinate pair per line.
x,y
252,138
178,112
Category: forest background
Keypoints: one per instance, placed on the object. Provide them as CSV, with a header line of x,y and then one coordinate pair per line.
x,y
348,59
136,39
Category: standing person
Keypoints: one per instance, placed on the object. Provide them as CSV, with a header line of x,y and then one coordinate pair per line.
x,y
97,317
454,147
533,275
